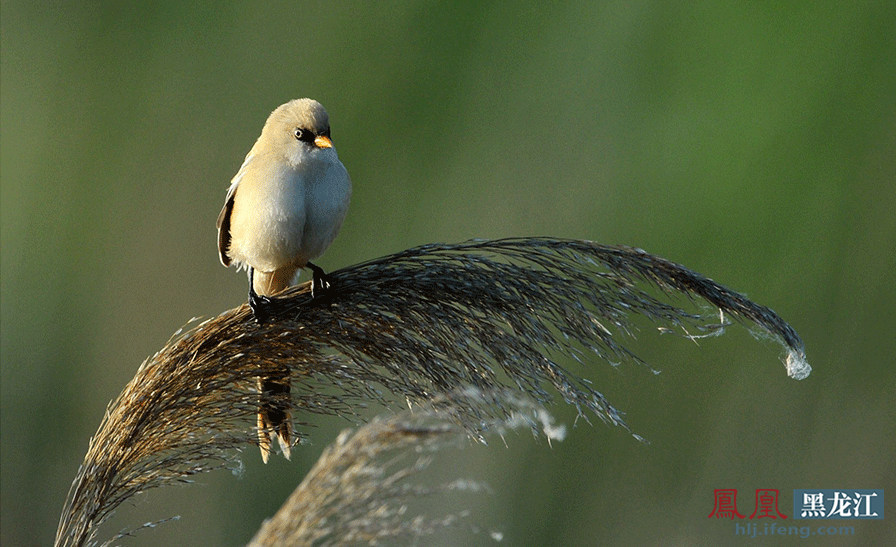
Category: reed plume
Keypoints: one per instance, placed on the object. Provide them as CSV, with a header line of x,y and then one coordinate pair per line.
x,y
363,487
416,327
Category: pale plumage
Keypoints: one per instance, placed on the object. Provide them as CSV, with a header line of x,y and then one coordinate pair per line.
x,y
283,209
288,200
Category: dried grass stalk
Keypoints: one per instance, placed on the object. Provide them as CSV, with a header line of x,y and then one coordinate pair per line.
x,y
363,488
412,327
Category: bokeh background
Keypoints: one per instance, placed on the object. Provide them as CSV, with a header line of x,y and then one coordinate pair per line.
x,y
753,142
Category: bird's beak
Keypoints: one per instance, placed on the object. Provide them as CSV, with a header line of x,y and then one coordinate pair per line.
x,y
323,142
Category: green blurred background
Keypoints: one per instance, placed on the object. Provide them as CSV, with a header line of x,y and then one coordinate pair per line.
x,y
752,142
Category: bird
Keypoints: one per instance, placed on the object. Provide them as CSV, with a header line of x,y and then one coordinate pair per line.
x,y
283,209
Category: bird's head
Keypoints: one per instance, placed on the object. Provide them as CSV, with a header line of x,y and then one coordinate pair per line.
x,y
300,130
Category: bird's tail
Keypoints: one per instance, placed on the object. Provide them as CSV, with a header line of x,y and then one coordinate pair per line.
x,y
274,416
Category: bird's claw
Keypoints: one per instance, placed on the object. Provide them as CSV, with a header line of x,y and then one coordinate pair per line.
x,y
320,282
261,306
320,286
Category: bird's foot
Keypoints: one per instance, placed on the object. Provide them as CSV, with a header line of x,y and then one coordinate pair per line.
x,y
321,283
261,306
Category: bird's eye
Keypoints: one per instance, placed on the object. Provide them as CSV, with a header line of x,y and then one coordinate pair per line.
x,y
304,135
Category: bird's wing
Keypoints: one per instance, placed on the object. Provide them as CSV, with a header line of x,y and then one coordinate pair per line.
x,y
224,215
224,227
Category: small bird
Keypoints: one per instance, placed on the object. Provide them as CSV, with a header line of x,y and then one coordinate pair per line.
x,y
282,210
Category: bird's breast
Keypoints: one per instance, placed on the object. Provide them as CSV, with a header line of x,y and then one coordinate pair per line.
x,y
289,215
326,203
268,219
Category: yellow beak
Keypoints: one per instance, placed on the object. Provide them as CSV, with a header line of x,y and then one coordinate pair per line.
x,y
323,142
